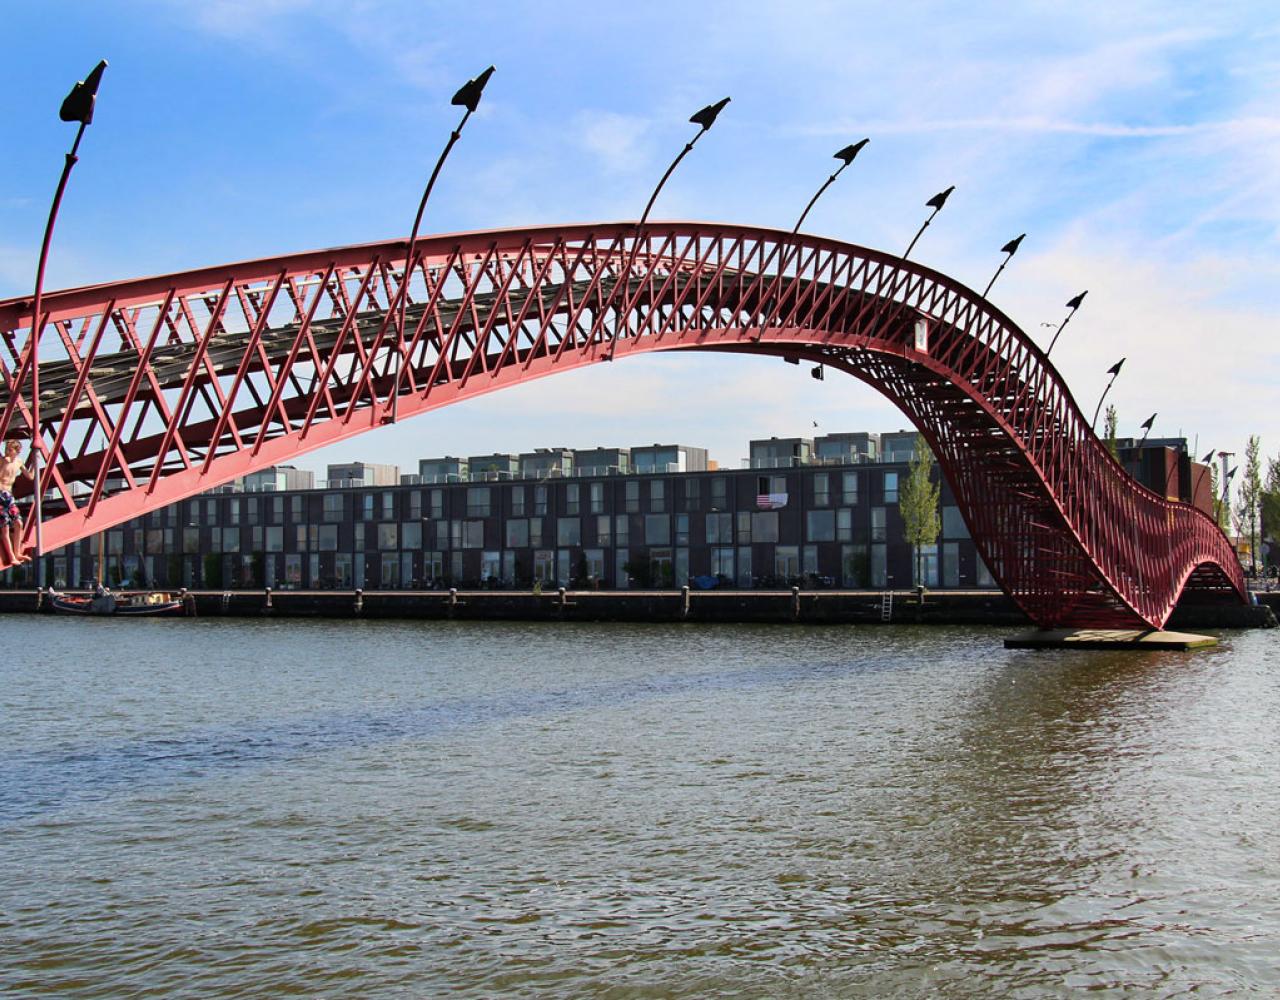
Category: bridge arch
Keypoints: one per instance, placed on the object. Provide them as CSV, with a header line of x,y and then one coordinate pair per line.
x,y
158,388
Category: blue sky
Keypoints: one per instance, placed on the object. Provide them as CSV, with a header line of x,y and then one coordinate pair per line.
x,y
1137,144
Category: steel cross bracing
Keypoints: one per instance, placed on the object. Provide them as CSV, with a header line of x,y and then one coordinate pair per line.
x,y
155,389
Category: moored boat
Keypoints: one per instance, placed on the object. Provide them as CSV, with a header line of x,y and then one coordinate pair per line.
x,y
104,602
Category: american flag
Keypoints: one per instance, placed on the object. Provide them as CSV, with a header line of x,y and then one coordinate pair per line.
x,y
771,501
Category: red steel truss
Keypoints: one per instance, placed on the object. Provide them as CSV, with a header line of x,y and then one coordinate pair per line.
x,y
155,389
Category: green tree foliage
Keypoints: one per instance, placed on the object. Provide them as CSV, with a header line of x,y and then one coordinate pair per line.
x,y
1251,496
918,502
1270,528
1110,422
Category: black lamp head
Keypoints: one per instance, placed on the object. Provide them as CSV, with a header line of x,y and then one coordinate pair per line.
x,y
1075,303
707,116
940,199
1231,474
1208,458
78,105
1012,246
469,93
1115,369
817,373
1146,424
849,152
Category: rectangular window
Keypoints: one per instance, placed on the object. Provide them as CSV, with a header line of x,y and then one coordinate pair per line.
x,y
821,489
535,531
877,524
844,525
334,506
924,565
230,539
366,506
764,526
622,530
692,494
295,508
853,565
744,567
786,563
682,529
722,563
571,498
544,566
771,484
517,533
540,500
233,511
478,501
719,529
251,510
597,498
657,529
277,510
442,534
632,505
820,525
603,524
719,493
388,506
594,558
358,543
275,538
568,531
953,525
415,505
190,540
388,536
390,571
473,534
517,501
809,560
211,512
657,496
890,487
491,567
437,504
255,539
455,534
744,527
342,576
411,535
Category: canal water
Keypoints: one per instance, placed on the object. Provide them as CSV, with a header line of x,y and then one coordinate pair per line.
x,y
220,808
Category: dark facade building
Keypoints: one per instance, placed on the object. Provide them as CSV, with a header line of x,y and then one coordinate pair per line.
x,y
819,525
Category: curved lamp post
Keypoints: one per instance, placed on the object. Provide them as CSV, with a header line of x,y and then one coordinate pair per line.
x,y
77,106
847,156
468,96
936,203
1009,249
1113,371
1146,428
704,118
1072,304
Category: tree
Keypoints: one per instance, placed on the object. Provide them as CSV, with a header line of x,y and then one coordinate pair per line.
x,y
918,503
1110,423
1221,501
1270,529
1251,497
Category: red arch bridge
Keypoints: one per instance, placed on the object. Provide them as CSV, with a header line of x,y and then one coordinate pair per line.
x,y
155,389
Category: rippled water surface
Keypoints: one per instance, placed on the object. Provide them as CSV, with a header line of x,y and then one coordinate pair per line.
x,y
256,809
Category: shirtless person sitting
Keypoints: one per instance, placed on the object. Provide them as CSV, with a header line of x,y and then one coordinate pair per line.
x,y
10,517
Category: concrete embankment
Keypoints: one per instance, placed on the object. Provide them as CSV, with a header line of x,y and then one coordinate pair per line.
x,y
778,606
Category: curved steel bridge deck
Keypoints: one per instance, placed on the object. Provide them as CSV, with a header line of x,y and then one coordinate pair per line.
x,y
155,389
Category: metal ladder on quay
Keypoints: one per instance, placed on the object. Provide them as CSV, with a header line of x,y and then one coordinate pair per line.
x,y
886,605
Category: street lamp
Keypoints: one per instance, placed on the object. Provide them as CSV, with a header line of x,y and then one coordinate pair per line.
x,y
704,119
468,96
847,156
936,203
1010,249
1113,371
1204,462
76,107
1073,305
